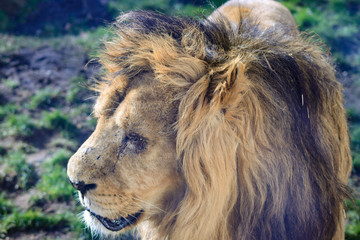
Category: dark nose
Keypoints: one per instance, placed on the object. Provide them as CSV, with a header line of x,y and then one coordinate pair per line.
x,y
82,187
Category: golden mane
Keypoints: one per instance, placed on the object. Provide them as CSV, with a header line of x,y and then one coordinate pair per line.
x,y
261,134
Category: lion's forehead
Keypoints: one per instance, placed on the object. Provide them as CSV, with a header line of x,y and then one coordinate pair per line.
x,y
143,104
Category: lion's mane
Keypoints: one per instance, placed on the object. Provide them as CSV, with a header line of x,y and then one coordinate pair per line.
x,y
261,134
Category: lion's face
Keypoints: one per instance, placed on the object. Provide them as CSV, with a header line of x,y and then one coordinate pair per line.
x,y
126,169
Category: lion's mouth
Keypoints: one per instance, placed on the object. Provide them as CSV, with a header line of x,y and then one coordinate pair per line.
x,y
117,224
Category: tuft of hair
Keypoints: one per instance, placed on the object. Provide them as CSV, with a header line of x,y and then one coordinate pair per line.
x,y
261,134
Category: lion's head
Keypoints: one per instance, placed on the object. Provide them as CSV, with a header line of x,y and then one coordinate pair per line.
x,y
209,133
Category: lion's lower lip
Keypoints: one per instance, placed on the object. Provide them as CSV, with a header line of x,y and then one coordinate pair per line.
x,y
117,224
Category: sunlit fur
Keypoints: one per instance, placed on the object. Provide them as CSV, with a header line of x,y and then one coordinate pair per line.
x,y
262,144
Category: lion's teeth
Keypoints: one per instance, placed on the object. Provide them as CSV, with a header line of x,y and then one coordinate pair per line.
x,y
115,221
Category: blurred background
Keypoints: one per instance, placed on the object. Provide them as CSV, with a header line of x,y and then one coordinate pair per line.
x,y
46,47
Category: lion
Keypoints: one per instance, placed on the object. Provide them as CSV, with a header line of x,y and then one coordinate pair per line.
x,y
230,127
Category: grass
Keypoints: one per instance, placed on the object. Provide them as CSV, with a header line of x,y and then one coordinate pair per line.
x,y
86,111
57,120
165,6
78,85
7,109
64,143
337,22
53,185
33,220
60,158
44,98
355,146
353,217
14,165
12,220
5,205
90,40
12,42
17,125
354,120
10,83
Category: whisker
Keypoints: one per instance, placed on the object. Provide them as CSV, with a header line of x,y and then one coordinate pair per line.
x,y
116,102
109,110
90,98
149,204
92,113
140,206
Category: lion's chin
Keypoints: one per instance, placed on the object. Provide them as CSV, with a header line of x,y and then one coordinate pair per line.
x,y
98,222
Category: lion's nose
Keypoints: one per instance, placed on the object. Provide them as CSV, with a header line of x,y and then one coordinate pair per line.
x,y
82,186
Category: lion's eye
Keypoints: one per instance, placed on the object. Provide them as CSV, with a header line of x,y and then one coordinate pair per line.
x,y
136,143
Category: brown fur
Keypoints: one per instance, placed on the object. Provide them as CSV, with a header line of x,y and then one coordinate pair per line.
x,y
240,131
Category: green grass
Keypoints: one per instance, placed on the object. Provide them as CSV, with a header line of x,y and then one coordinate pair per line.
x,y
44,97
13,42
90,40
165,6
5,206
352,115
337,22
355,147
17,125
14,164
137,5
53,184
32,220
354,128
7,109
11,83
64,143
60,158
60,121
352,229
78,85
14,220
72,95
86,111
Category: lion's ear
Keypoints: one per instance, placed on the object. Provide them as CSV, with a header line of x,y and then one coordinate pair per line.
x,y
225,83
